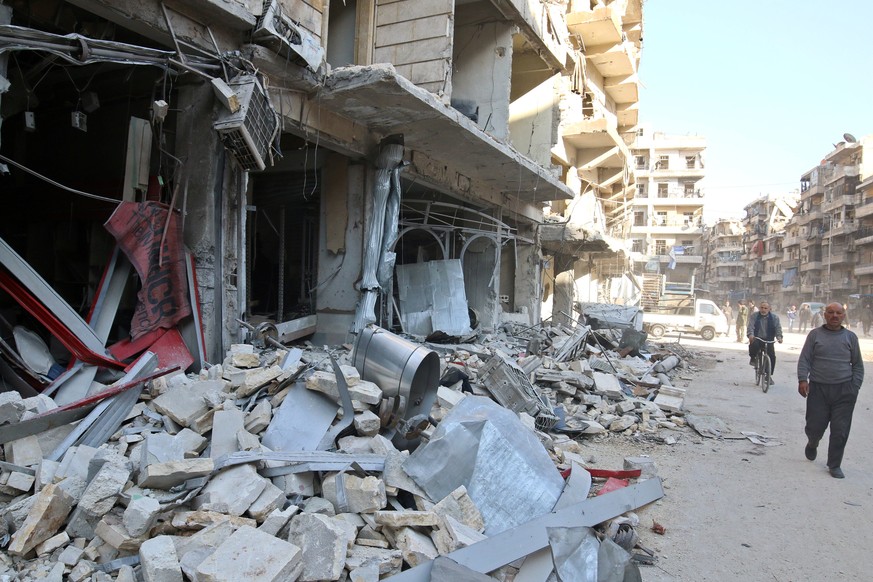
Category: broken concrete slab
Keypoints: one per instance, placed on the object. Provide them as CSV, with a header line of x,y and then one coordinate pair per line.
x,y
159,561
324,542
46,515
254,556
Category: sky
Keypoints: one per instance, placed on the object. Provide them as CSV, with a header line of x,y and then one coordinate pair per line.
x,y
771,84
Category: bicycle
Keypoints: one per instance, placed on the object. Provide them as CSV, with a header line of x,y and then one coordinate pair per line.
x,y
763,366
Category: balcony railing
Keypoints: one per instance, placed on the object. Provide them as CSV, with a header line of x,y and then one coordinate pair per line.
x,y
838,202
806,266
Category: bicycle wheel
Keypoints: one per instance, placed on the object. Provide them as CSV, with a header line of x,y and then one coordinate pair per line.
x,y
765,373
758,369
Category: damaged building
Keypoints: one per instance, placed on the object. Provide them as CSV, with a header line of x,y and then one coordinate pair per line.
x,y
318,166
411,187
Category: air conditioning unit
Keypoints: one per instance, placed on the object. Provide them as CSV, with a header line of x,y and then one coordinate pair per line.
x,y
287,38
249,131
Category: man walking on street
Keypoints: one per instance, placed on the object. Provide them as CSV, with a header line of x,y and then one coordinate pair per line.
x,y
829,373
742,320
728,314
804,317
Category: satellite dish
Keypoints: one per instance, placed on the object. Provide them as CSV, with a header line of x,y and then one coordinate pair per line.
x,y
849,138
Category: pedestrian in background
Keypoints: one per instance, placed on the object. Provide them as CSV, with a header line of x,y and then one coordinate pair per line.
x,y
829,375
866,319
792,315
728,315
804,316
742,320
817,318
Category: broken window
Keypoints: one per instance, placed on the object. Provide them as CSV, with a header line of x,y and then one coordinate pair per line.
x,y
640,162
663,190
690,162
639,218
660,247
641,191
663,163
689,188
638,246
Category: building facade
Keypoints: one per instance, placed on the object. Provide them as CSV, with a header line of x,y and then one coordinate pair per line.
x,y
724,265
666,232
314,153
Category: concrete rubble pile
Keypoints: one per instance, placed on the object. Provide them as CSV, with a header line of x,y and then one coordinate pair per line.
x,y
208,477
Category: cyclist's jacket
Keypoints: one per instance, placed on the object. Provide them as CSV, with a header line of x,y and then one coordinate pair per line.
x,y
767,327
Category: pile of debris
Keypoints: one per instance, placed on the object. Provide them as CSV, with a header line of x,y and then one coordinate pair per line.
x,y
388,460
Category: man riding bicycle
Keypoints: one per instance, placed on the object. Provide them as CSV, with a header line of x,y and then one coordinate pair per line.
x,y
763,325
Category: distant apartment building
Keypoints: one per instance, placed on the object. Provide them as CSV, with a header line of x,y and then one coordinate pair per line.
x,y
666,232
724,266
764,232
828,227
864,237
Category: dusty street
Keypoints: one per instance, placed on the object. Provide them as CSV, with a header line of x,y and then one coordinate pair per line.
x,y
734,510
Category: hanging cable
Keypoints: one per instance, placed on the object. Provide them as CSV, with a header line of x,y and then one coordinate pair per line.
x,y
57,184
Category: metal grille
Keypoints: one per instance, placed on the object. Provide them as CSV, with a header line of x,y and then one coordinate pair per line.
x,y
249,132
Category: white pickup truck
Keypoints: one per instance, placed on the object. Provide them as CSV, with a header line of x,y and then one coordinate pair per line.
x,y
702,317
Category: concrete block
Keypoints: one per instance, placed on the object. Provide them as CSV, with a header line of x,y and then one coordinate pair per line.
x,y
168,475
362,391
225,425
415,546
278,519
12,407
186,404
246,441
141,514
324,542
193,549
365,574
246,382
448,398
388,562
20,482
318,505
158,560
111,530
350,493
232,491
270,499
203,519
460,506
398,519
254,556
71,556
355,444
647,466
45,473
259,418
245,361
52,544
99,497
81,571
453,535
367,424
24,452
46,515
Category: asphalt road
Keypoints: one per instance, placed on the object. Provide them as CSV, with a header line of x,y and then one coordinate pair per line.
x,y
735,510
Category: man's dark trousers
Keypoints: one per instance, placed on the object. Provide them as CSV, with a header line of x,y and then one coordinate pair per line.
x,y
834,404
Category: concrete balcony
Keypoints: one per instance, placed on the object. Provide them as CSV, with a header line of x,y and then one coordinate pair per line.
x,y
598,27
772,255
677,173
864,238
842,172
865,208
839,258
841,228
727,279
838,202
809,287
844,284
771,277
613,61
807,266
814,190
814,214
676,198
865,270
790,241
623,89
600,134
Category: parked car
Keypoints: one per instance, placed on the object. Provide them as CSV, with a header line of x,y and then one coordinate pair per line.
x,y
702,317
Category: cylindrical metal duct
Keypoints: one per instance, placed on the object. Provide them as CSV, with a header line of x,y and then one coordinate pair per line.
x,y
405,371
